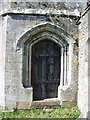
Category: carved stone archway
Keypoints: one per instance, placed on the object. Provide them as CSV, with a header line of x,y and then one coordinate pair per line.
x,y
47,31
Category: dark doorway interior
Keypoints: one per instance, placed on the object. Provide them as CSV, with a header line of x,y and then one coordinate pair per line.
x,y
45,69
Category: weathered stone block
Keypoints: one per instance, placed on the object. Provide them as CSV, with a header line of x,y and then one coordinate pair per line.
x,y
22,105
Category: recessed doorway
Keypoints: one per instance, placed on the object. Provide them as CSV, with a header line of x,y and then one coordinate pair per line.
x,y
45,69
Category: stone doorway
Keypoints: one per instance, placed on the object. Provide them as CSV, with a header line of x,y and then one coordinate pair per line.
x,y
45,69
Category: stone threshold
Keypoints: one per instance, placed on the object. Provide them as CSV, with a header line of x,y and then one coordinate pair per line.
x,y
46,103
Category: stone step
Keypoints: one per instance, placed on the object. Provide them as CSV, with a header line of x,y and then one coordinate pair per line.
x,y
46,103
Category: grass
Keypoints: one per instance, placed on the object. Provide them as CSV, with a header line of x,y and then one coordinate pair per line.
x,y
69,112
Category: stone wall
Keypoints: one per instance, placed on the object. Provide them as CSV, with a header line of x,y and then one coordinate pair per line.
x,y
88,65
14,90
83,67
17,18
3,27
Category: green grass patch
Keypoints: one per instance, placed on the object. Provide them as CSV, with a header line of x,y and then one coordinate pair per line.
x,y
69,112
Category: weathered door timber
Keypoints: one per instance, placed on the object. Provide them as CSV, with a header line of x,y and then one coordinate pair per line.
x,y
45,69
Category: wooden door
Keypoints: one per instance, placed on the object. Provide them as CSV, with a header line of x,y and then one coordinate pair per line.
x,y
45,69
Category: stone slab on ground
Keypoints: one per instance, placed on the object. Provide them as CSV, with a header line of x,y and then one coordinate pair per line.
x,y
45,103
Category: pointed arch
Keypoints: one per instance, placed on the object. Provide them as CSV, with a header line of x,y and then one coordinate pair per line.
x,y
46,29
